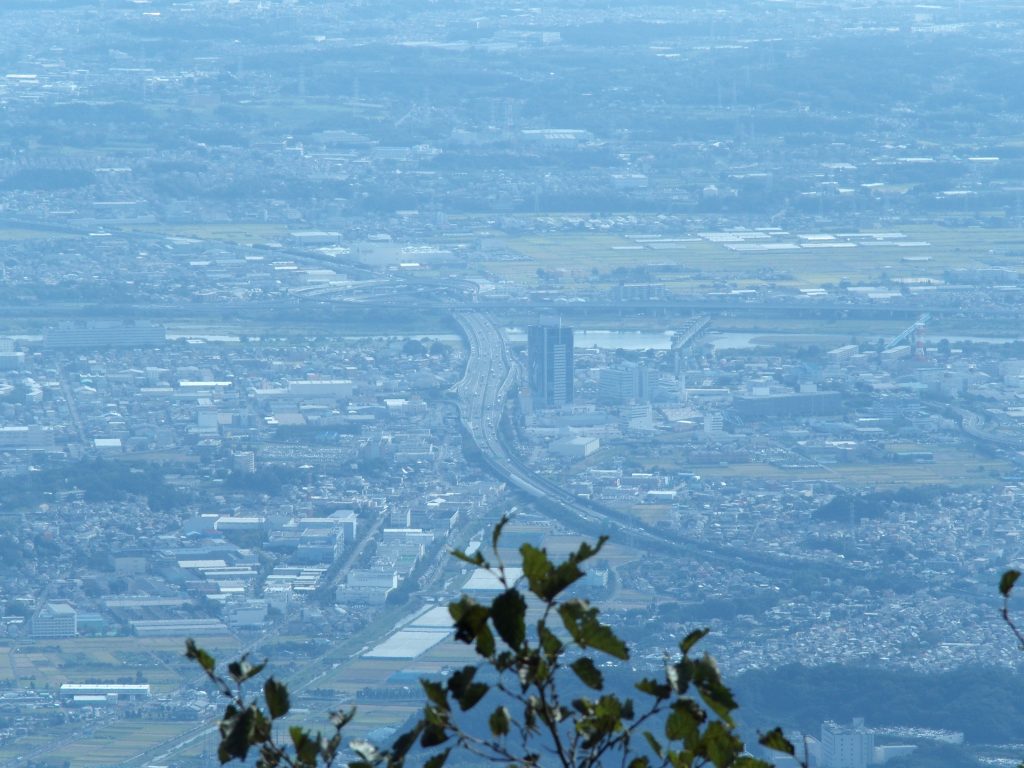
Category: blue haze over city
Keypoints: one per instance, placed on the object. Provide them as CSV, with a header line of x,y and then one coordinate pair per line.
x,y
299,296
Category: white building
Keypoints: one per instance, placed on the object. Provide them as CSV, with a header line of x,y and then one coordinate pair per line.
x,y
54,620
575,448
371,587
335,388
713,423
847,746
245,613
84,694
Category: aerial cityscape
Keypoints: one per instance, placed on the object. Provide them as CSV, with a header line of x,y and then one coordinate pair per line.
x,y
299,296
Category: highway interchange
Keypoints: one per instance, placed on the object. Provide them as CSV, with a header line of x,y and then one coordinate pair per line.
x,y
491,372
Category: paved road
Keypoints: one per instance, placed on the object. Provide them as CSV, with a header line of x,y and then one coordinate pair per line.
x,y
481,393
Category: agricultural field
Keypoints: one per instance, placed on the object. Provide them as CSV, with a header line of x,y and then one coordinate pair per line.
x,y
790,259
242,233
49,663
951,467
118,741
13,234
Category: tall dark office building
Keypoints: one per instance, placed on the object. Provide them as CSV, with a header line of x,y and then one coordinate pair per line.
x,y
549,359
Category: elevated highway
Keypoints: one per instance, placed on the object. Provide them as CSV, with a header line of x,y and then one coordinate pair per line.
x,y
480,395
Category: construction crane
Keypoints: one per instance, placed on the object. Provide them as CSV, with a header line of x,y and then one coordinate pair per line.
x,y
916,330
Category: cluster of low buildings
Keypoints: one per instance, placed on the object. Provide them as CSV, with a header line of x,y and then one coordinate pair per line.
x,y
217,485
757,451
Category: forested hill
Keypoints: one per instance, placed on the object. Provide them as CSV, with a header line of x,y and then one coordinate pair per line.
x,y
984,703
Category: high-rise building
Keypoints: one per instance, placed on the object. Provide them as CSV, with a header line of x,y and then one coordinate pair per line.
x,y
847,746
713,423
549,360
623,384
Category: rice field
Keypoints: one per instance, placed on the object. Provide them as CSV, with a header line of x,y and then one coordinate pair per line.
x,y
47,664
114,743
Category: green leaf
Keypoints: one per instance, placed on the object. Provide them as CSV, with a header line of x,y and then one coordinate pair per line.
x,y
306,747
499,721
194,652
654,688
571,613
712,690
588,674
276,694
692,639
562,577
774,739
679,675
508,612
329,748
433,735
340,719
485,645
435,693
585,551
548,641
580,620
472,696
536,568
1007,581
547,580
606,719
654,743
684,721
242,670
465,691
476,559
230,712
460,680
401,746
496,533
260,731
720,744
437,760
308,752
600,637
235,736
627,709
639,762
583,706
470,618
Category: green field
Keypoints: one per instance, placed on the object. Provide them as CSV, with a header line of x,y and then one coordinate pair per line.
x,y
46,664
13,234
574,256
241,232
951,467
119,741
